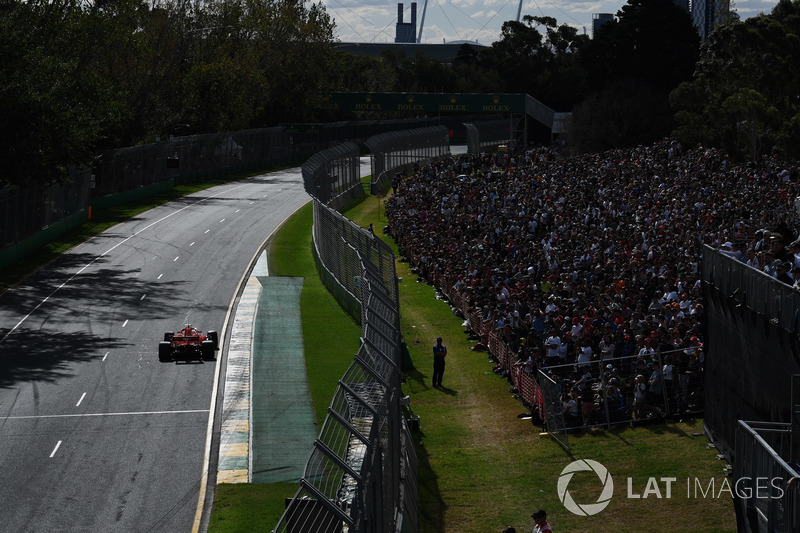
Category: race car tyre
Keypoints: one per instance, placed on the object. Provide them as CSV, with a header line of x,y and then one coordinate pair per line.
x,y
168,336
207,349
212,335
164,351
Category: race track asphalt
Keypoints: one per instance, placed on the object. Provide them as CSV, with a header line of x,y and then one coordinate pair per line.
x,y
97,434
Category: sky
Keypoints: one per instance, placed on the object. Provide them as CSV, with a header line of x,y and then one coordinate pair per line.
x,y
373,21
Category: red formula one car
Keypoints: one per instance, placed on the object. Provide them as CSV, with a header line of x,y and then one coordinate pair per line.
x,y
188,343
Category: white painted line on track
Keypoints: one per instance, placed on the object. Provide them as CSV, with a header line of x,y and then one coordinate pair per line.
x,y
191,244
125,323
251,203
81,400
58,445
237,210
106,355
223,220
31,417
120,243
143,297
176,259
206,231
159,276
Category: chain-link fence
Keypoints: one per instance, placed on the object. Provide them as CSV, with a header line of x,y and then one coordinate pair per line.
x,y
394,150
762,498
619,390
488,134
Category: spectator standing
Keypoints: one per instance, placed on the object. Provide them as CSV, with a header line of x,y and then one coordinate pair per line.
x,y
553,345
542,526
782,273
439,354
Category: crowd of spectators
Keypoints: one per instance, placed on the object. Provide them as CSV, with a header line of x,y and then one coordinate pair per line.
x,y
594,257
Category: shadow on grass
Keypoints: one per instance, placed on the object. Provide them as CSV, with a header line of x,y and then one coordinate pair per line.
x,y
434,510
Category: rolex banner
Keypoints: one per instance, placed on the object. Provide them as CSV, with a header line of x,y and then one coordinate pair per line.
x,y
428,102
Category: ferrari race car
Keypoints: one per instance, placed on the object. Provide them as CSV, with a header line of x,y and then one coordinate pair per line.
x,y
188,343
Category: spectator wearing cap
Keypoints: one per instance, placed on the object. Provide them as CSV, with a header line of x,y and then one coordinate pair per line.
x,y
782,273
779,251
542,526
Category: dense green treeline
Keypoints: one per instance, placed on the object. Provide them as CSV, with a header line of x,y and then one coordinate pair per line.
x,y
78,76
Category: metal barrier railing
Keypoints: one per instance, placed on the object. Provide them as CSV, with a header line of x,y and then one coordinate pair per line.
x,y
752,288
762,487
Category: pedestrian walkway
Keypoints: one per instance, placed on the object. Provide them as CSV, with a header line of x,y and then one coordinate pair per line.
x,y
268,426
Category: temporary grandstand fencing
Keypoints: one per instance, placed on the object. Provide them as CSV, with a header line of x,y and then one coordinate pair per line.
x,y
553,412
751,322
487,135
604,388
399,149
763,501
683,397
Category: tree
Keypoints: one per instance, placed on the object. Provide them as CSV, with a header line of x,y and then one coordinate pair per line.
x,y
653,47
53,105
747,79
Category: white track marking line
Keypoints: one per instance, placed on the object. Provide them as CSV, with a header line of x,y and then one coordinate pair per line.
x,y
237,210
206,231
178,257
192,243
143,297
106,355
223,220
120,243
124,323
58,445
32,417
81,400
159,276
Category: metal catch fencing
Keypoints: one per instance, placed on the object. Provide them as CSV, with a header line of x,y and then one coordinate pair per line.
x,y
333,175
394,150
488,134
361,476
762,498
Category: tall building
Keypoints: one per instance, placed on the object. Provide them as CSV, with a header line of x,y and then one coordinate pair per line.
x,y
598,19
406,32
708,14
